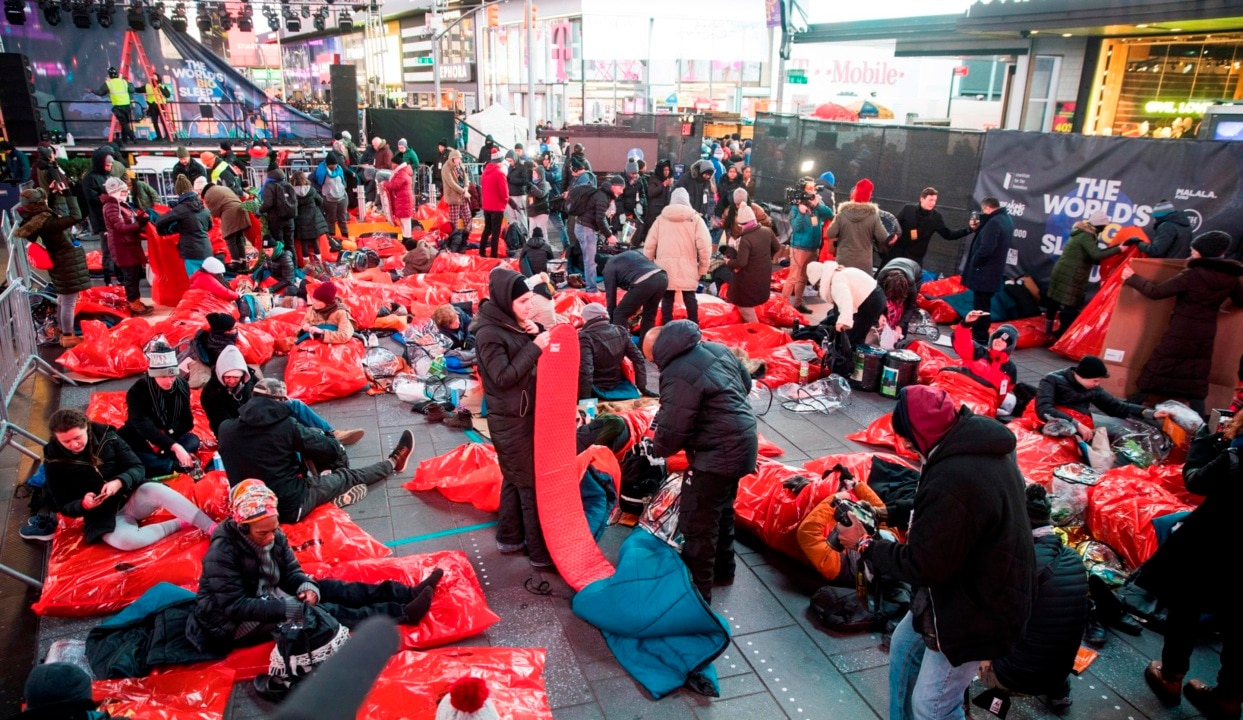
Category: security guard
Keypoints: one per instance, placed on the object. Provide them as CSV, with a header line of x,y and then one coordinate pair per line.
x,y
158,93
120,92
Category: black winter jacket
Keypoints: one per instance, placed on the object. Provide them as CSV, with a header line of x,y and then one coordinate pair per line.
x,y
602,347
625,270
534,256
1059,389
986,260
657,196
969,546
1045,656
193,170
229,588
704,408
219,404
281,266
725,193
702,198
633,197
1171,237
310,223
269,199
518,179
265,442
145,426
70,476
69,273
192,222
924,224
597,215
538,194
93,186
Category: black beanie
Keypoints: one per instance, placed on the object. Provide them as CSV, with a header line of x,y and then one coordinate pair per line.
x,y
519,289
1211,244
1039,507
221,323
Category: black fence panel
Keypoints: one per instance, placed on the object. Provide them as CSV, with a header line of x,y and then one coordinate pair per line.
x,y
671,142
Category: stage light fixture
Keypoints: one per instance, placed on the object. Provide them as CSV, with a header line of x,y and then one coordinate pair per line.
x,y
293,23
51,12
81,14
320,21
15,11
306,11
155,16
103,13
226,21
135,16
345,21
274,21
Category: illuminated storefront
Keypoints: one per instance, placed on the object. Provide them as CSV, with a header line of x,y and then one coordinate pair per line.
x,y
1161,87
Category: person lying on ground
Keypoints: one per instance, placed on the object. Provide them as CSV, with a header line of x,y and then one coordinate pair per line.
x,y
252,582
305,467
93,474
990,363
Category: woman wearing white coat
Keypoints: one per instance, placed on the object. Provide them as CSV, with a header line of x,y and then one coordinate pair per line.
x,y
858,299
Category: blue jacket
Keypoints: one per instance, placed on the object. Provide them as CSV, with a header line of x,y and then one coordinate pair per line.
x,y
322,173
803,234
17,166
656,624
986,261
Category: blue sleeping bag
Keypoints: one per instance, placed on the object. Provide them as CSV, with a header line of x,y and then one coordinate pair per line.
x,y
653,619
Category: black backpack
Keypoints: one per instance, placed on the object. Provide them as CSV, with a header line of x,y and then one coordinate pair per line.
x,y
642,474
515,238
286,205
580,199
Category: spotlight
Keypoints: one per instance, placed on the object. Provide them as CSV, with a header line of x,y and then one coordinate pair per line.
x,y
321,19
51,11
180,22
345,21
81,14
274,21
246,19
136,18
15,11
155,16
103,13
226,21
306,11
292,23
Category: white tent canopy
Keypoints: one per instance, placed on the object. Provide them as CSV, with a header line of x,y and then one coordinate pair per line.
x,y
506,129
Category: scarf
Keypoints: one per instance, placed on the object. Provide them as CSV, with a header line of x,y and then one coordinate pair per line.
x,y
168,406
34,214
893,312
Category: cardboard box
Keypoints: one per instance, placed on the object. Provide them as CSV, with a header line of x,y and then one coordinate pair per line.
x,y
1138,324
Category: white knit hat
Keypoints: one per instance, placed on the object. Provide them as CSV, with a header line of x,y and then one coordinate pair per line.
x,y
467,700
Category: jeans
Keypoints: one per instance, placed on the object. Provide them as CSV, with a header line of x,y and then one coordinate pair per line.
x,y
923,685
65,305
161,464
645,295
491,232
518,522
981,301
706,521
1182,626
324,488
587,243
147,499
192,266
337,213
131,278
308,417
688,299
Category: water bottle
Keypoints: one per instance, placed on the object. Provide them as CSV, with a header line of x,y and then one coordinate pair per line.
x,y
69,139
803,371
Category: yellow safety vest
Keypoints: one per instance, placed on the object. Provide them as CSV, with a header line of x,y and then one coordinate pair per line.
x,y
155,94
118,91
217,171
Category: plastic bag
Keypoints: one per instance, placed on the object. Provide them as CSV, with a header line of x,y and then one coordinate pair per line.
x,y
1100,455
329,536
923,326
1070,493
1102,561
1141,444
1120,511
95,262
102,300
468,473
459,608
192,693
1183,416
319,371
379,362
951,285
109,353
1031,332
940,310
1038,455
823,396
1059,428
752,337
660,517
1086,335
413,683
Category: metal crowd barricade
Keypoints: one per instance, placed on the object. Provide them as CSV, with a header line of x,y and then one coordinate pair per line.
x,y
425,184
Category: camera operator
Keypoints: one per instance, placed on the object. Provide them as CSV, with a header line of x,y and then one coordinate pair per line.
x,y
808,216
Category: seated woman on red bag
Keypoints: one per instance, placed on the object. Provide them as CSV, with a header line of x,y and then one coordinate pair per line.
x,y
990,363
210,277
160,422
252,582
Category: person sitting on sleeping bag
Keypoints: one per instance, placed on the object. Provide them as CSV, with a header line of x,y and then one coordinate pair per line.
x,y
990,363
327,310
206,346
839,568
603,347
158,428
210,277
252,582
1079,389
93,474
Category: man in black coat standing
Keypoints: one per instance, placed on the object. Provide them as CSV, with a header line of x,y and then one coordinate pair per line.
x,y
918,223
968,551
986,261
644,282
704,410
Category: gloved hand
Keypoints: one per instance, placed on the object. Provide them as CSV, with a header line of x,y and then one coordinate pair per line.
x,y
1131,241
796,484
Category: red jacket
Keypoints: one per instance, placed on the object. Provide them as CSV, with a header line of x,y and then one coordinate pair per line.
x,y
125,232
202,280
987,364
495,187
400,192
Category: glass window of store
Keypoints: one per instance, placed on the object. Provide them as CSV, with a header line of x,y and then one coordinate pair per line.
x,y
1041,93
1160,87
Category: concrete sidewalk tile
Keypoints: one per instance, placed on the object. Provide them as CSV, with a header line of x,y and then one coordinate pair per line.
x,y
589,711
622,698
748,605
749,706
380,528
530,621
800,676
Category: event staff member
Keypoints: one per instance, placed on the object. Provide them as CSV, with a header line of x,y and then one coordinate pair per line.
x,y
986,260
158,93
918,224
120,92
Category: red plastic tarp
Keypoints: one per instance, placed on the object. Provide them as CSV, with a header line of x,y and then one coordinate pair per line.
x,y
448,262
951,285
319,371
713,312
780,367
413,683
931,360
168,271
468,473
1120,511
778,312
1031,332
981,398
109,353
384,244
880,432
1086,335
1038,455
752,337
109,408
184,693
102,300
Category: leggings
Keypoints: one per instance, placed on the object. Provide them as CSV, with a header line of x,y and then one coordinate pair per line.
x,y
65,305
688,299
146,500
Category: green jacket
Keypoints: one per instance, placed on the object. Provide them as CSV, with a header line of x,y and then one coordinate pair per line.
x,y
1069,280
409,157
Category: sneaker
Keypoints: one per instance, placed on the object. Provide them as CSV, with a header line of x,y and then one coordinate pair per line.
x,y
39,527
400,457
348,437
351,496
542,565
510,548
803,309
138,308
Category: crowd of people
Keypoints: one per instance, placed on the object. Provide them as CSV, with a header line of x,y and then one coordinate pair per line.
x,y
996,593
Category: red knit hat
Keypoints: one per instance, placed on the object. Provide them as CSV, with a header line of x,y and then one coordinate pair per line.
x,y
326,292
862,191
924,416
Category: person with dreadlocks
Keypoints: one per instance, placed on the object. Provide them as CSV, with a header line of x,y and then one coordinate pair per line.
x,y
159,425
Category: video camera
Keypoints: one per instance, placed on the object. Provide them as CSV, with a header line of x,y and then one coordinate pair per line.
x,y
799,196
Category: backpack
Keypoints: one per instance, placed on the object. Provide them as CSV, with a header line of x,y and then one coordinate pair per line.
x,y
515,237
642,474
877,606
580,199
286,205
303,646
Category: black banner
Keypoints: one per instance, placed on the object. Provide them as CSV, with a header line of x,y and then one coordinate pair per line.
x,y
1051,181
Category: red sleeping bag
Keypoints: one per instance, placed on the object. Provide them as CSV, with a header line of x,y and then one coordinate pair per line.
x,y
780,367
318,371
713,312
951,285
168,271
468,473
1038,455
102,300
1031,332
109,408
931,360
1120,511
778,312
109,353
447,262
413,683
981,398
1086,335
178,693
752,337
